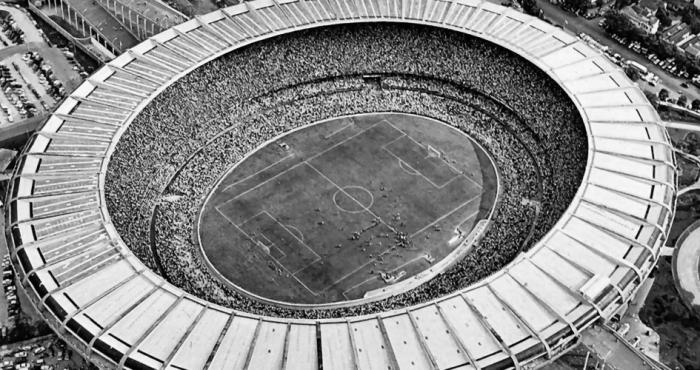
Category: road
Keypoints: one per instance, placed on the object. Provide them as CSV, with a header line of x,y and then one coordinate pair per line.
x,y
576,25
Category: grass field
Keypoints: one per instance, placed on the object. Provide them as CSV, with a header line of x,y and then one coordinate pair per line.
x,y
336,209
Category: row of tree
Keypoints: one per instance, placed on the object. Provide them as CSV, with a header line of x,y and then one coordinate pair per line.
x,y
663,95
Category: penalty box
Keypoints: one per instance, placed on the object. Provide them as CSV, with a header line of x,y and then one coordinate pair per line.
x,y
280,242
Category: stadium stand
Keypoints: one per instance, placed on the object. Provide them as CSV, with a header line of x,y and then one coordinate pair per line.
x,y
115,310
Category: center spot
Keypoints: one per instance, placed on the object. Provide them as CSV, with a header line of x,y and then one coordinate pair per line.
x,y
353,199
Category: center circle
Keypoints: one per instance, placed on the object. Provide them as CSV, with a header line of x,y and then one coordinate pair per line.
x,y
347,209
353,199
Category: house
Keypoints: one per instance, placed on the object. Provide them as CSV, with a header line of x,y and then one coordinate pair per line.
x,y
675,35
642,18
691,50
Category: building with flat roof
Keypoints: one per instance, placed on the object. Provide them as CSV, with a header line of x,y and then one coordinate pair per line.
x,y
691,49
674,35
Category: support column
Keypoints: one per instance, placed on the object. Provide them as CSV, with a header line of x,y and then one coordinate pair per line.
x,y
138,28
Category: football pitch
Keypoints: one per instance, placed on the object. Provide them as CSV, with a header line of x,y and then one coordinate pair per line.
x,y
340,208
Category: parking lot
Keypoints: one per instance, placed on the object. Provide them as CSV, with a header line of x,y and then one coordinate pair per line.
x,y
33,76
29,87
9,305
43,353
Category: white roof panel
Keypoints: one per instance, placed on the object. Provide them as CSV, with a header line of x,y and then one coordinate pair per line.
x,y
337,349
405,343
522,302
195,349
437,338
371,347
301,350
270,352
235,344
139,320
497,315
632,206
164,338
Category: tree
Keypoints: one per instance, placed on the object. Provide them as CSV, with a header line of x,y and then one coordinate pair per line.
x,y
653,99
682,100
617,23
577,5
663,17
632,73
530,7
695,104
619,4
691,17
663,94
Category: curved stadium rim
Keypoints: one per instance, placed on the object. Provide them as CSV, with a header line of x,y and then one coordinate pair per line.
x,y
542,34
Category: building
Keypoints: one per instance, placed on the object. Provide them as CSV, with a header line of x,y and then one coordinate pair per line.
x,y
691,50
674,35
642,18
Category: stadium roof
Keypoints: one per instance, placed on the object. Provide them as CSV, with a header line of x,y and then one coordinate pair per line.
x,y
102,299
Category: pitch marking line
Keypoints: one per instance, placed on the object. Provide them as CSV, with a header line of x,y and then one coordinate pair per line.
x,y
409,262
292,234
301,163
258,172
397,268
407,168
339,130
271,245
447,215
444,161
272,257
353,272
351,197
459,226
335,195
283,226
418,173
371,198
358,285
301,235
383,253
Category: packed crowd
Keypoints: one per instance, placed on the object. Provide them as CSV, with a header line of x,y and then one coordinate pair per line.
x,y
187,137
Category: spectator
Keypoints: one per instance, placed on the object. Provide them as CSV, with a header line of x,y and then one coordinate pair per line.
x,y
207,121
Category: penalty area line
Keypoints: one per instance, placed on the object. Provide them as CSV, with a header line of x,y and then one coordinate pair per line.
x,y
258,172
271,256
446,215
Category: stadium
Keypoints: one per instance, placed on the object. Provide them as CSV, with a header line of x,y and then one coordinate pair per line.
x,y
306,184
